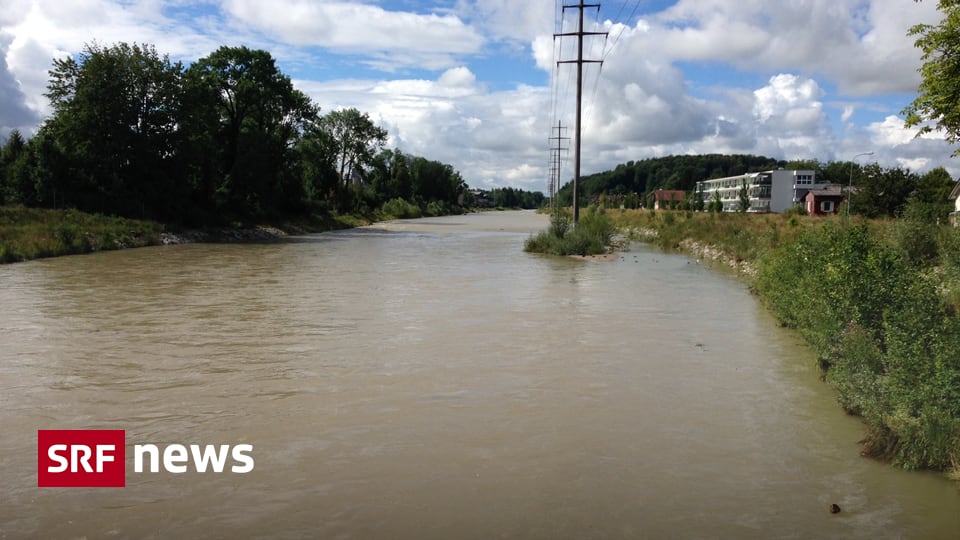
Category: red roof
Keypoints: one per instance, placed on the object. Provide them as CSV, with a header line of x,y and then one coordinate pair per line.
x,y
669,195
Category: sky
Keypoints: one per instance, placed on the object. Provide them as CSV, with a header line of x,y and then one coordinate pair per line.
x,y
477,84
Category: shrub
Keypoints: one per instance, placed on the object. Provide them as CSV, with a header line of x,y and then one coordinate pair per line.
x,y
401,209
591,236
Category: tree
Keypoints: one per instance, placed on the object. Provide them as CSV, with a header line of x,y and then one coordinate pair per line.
x,y
929,202
356,140
716,205
698,202
116,117
938,101
744,198
882,192
12,149
247,114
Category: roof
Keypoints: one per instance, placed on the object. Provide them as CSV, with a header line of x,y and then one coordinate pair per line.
x,y
955,194
825,192
669,195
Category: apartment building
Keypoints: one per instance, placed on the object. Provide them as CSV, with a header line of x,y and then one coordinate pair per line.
x,y
769,191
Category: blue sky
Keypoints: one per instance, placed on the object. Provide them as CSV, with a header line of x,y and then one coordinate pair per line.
x,y
475,83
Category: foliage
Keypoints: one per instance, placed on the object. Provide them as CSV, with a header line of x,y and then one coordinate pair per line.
x,y
250,118
929,202
716,205
743,197
591,235
699,204
936,106
516,198
355,140
115,129
882,192
881,328
401,209
228,139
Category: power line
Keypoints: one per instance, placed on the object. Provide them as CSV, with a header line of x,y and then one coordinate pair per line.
x,y
624,26
580,33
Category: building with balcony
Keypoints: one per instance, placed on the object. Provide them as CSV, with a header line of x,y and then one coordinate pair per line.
x,y
768,191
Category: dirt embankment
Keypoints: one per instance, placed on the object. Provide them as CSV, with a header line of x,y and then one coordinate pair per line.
x,y
257,234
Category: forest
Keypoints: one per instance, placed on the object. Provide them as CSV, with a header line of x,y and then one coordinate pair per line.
x,y
227,139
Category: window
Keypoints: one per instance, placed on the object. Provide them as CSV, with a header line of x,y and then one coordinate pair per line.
x,y
826,206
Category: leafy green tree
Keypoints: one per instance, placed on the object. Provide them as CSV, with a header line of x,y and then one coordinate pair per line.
x,y
744,198
929,201
436,181
250,118
12,149
937,100
716,205
882,192
698,202
391,175
356,139
116,115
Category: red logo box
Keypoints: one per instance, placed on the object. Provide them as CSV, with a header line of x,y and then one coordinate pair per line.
x,y
81,458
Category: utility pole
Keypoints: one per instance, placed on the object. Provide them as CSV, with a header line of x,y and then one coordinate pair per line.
x,y
579,62
555,167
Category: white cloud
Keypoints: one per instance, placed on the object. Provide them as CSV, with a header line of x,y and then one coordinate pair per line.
x,y
391,36
848,111
860,45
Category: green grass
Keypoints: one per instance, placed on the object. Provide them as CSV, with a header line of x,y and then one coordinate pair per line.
x,y
30,233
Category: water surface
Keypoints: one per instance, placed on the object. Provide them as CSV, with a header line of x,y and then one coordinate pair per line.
x,y
428,379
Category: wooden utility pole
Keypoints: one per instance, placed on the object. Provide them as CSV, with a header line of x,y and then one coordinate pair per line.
x,y
555,168
579,62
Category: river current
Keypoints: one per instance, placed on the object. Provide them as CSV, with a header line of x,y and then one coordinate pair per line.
x,y
427,379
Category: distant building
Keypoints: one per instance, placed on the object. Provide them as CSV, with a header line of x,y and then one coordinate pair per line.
x,y
821,202
667,199
768,191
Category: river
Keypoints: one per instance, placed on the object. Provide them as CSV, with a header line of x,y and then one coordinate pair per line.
x,y
427,379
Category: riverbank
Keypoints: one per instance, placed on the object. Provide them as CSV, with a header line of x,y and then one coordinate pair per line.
x,y
34,233
876,301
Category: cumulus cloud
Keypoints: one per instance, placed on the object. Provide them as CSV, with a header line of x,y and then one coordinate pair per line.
x,y
407,38
15,113
862,46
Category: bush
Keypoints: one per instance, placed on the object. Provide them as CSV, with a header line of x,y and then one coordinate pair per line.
x,y
880,328
591,236
401,209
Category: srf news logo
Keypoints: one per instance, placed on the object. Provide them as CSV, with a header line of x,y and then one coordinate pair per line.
x,y
97,458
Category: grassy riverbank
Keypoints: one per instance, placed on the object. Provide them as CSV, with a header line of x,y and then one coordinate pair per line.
x,y
30,233
877,301
35,233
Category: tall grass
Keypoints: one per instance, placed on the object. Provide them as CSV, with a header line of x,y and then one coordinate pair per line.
x,y
29,233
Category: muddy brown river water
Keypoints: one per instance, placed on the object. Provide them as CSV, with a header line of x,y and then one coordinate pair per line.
x,y
427,379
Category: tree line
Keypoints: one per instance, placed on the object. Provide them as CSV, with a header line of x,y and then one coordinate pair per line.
x,y
227,138
879,191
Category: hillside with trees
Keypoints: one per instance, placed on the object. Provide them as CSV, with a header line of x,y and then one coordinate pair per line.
x,y
880,192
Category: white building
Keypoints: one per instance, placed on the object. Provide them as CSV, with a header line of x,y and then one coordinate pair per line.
x,y
769,191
